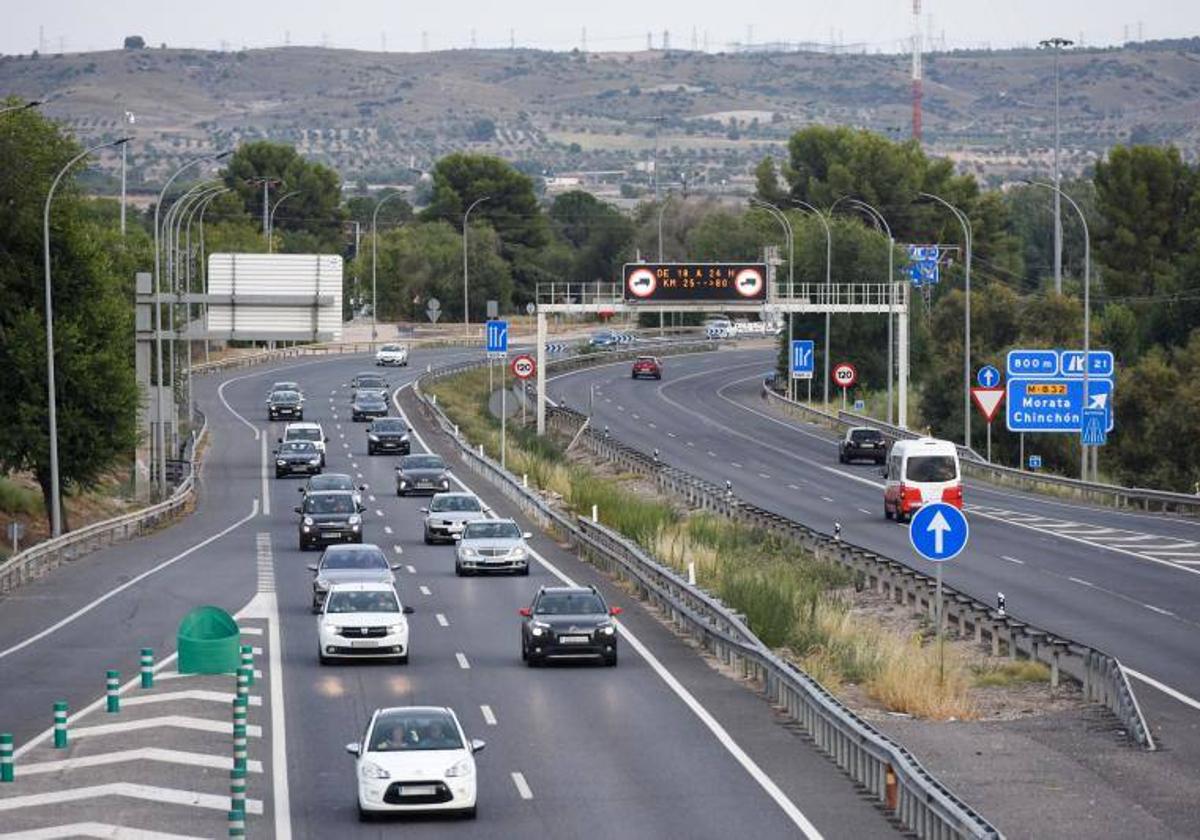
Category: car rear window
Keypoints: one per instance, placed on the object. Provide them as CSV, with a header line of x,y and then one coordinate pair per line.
x,y
932,468
864,435
304,434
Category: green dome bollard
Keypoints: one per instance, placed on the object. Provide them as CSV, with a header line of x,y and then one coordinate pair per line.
x,y
209,642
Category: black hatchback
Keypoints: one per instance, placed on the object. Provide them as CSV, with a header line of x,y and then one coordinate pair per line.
x,y
368,404
568,622
422,474
388,434
329,516
297,457
285,404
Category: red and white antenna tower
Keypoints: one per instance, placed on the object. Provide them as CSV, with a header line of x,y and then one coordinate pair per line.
x,y
916,71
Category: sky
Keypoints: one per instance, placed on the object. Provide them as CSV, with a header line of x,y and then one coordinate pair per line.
x,y
614,25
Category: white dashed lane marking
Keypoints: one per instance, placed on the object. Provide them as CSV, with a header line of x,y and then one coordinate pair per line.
x,y
462,661
489,717
1012,560
441,619
425,590
522,786
411,570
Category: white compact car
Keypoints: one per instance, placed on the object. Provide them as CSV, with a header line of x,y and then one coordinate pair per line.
x,y
363,620
392,355
414,759
306,431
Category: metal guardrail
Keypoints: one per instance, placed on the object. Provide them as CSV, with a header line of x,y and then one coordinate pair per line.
x,y
38,559
885,769
975,466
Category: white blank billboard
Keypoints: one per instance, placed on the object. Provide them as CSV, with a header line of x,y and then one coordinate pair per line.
x,y
276,296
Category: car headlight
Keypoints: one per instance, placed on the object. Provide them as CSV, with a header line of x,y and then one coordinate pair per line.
x,y
373,437
607,629
404,438
468,552
330,626
315,461
518,553
395,629
308,520
539,628
403,483
370,770
355,519
281,463
460,768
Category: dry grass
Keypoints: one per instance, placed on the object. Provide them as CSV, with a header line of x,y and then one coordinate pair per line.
x,y
1011,673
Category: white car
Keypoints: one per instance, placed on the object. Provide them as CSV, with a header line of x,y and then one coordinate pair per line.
x,y
306,431
392,354
363,620
415,759
491,545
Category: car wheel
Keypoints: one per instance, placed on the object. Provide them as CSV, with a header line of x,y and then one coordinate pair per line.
x,y
316,606
365,816
468,813
524,650
524,571
402,660
887,513
370,449
458,569
533,660
611,660
322,658
278,474
300,416
841,458
399,492
428,540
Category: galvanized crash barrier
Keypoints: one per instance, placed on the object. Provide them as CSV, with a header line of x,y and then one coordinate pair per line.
x,y
891,775
38,559
974,465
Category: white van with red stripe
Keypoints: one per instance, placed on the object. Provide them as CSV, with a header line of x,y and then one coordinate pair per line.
x,y
919,472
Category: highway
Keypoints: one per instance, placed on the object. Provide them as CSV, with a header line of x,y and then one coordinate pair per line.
x,y
1125,582
661,746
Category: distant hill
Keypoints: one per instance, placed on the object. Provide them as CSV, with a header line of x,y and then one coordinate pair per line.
x,y
370,114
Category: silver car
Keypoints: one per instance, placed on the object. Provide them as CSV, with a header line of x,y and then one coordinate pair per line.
x,y
362,563
448,513
491,545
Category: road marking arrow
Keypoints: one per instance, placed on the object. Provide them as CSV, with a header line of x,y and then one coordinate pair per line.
x,y
939,526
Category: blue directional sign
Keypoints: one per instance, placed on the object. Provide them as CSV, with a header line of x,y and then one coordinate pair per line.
x,y
1100,365
923,265
497,337
802,359
1055,405
1093,432
1035,462
988,377
938,532
1030,363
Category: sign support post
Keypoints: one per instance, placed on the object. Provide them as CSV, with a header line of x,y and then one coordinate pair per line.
x,y
939,532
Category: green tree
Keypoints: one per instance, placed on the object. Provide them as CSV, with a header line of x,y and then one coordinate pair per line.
x,y
97,396
767,185
600,237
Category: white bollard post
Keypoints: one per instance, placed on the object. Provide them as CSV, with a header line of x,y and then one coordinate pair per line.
x,y
595,513
692,572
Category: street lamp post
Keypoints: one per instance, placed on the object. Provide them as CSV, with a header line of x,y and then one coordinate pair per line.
x,y
828,275
789,236
271,219
197,203
159,434
375,258
1087,304
52,399
466,303
662,209
967,239
891,276
1056,44
124,149
203,262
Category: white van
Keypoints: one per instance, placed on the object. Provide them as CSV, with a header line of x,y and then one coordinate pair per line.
x,y
719,327
919,472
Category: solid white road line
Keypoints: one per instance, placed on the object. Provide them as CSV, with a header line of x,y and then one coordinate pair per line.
x,y
1012,559
1080,581
195,724
522,786
462,661
266,486
489,717
103,831
1163,687
188,694
723,737
441,619
87,608
864,510
1159,610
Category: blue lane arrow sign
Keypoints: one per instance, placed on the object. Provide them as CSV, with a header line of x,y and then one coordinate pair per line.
x,y
938,532
497,337
802,359
988,376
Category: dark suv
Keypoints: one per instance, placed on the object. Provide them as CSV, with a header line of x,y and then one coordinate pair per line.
x,y
862,442
388,434
329,516
568,622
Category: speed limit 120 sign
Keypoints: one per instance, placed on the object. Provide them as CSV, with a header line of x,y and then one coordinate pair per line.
x,y
845,374
523,367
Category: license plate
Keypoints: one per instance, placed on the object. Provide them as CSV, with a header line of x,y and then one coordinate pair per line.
x,y
331,533
573,640
362,643
424,484
417,790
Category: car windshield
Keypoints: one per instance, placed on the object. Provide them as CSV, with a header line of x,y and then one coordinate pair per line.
x,y
391,348
440,504
492,530
422,462
285,386
304,434
298,446
329,503
331,481
354,558
402,731
569,603
864,435
370,382
285,397
932,468
389,426
362,602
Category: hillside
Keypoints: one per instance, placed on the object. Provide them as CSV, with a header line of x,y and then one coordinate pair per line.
x,y
370,114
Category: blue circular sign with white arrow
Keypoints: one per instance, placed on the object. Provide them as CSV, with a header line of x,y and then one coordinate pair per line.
x,y
988,377
938,532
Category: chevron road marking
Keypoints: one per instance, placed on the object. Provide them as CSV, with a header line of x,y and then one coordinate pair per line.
x,y
217,762
220,727
103,831
191,694
151,793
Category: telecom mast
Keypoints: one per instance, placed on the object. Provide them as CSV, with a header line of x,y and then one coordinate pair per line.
x,y
916,71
